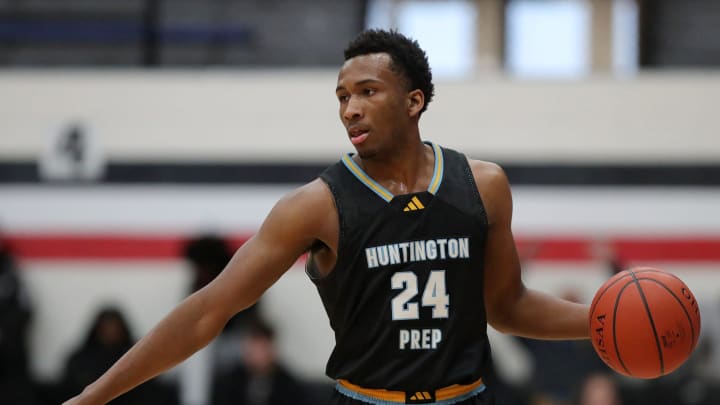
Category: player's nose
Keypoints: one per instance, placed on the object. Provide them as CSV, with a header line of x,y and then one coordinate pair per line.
x,y
353,110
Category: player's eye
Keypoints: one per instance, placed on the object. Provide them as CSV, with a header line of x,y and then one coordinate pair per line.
x,y
343,98
369,92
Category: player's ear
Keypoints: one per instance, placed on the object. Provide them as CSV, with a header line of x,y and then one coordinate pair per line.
x,y
415,102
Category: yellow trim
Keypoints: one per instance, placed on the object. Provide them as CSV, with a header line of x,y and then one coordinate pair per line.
x,y
417,202
360,174
439,166
385,395
456,390
441,394
382,191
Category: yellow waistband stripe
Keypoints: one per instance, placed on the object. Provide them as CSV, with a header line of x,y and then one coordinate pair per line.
x,y
441,394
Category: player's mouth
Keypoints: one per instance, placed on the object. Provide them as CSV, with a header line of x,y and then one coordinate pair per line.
x,y
358,135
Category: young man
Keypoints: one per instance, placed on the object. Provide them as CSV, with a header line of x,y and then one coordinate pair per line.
x,y
411,251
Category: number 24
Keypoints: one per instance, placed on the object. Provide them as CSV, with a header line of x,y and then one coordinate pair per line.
x,y
434,295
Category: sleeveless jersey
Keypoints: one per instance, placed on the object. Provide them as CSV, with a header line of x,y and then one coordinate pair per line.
x,y
405,298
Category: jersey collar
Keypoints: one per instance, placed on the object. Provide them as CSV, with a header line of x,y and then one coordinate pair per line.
x,y
381,191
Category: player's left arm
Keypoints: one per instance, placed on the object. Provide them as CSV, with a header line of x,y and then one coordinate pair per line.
x,y
512,307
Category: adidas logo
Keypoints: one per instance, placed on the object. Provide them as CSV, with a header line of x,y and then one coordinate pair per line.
x,y
414,205
421,397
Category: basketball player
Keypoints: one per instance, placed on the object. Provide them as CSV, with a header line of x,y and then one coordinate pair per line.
x,y
410,249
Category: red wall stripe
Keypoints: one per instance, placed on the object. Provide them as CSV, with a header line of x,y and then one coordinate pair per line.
x,y
105,247
164,247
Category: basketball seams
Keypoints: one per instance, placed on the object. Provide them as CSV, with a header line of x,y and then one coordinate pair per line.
x,y
599,295
624,273
614,328
598,298
678,279
652,322
687,314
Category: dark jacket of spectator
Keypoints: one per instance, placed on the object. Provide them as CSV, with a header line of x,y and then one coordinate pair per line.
x,y
16,386
107,340
259,378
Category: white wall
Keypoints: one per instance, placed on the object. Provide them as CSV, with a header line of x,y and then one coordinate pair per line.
x,y
257,115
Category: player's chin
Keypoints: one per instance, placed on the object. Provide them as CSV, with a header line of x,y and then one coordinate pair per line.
x,y
365,152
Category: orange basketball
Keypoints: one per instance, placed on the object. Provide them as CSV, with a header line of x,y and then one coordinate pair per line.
x,y
644,322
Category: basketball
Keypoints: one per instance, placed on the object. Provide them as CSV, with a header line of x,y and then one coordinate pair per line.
x,y
644,322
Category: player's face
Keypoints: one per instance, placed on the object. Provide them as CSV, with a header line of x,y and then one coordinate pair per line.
x,y
373,103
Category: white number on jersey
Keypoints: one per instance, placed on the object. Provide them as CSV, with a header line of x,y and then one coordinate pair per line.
x,y
435,295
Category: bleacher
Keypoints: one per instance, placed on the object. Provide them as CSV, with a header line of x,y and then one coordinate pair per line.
x,y
172,33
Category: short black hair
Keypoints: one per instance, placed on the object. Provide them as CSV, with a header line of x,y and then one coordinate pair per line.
x,y
408,59
209,251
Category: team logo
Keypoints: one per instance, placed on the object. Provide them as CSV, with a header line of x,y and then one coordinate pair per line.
x,y
421,397
414,205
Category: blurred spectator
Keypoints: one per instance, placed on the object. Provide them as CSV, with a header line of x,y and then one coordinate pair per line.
x,y
16,386
599,389
107,340
208,255
259,378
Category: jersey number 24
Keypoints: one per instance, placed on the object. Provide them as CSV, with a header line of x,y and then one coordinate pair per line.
x,y
434,295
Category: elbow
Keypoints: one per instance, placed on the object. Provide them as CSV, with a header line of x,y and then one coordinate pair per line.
x,y
505,317
502,324
210,327
209,320
504,312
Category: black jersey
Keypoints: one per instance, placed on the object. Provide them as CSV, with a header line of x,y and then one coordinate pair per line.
x,y
405,298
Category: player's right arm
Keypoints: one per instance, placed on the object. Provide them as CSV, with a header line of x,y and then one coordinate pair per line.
x,y
294,224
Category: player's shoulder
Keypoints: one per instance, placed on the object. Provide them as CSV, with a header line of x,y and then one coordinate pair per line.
x,y
487,174
308,210
494,188
313,194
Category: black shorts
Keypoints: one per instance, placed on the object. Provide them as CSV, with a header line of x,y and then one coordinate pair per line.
x,y
479,398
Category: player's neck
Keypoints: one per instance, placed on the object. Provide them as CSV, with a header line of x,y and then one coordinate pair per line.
x,y
407,169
